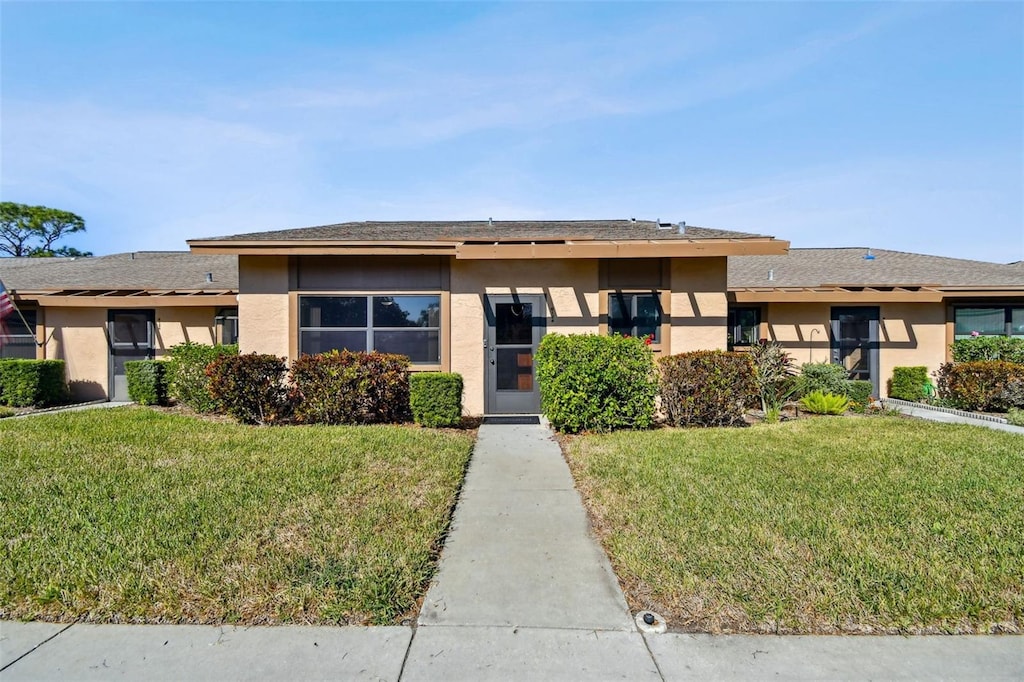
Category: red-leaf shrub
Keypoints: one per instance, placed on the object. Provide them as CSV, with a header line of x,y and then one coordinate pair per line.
x,y
706,387
250,388
342,387
978,386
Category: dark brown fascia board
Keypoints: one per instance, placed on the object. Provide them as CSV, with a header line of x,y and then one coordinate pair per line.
x,y
507,250
126,299
867,293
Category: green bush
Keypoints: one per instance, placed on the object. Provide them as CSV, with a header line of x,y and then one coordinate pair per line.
x,y
824,377
6,412
978,385
187,381
590,382
908,383
1006,348
859,392
1015,416
436,398
706,387
35,383
1013,393
817,402
342,387
250,387
147,381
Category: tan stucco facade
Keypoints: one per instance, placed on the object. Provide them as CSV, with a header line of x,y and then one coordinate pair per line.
x,y
78,336
699,304
570,288
574,290
265,323
909,333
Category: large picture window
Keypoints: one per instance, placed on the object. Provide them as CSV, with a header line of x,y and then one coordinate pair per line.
x,y
407,325
634,314
1005,320
20,337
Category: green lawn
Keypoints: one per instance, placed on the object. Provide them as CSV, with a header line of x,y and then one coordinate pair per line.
x,y
133,515
819,525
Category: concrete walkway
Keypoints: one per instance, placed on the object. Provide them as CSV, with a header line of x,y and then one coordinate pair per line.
x,y
522,569
523,592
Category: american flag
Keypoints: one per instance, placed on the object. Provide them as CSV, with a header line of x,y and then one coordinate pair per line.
x,y
6,308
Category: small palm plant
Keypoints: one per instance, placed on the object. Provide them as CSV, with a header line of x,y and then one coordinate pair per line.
x,y
773,372
825,403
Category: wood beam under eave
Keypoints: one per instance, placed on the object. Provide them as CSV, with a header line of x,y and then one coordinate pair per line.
x,y
836,296
190,301
992,293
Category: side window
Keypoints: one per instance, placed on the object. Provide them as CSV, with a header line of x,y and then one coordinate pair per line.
x,y
226,323
744,326
19,340
635,314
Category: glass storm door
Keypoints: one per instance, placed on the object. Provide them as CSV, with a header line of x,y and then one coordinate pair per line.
x,y
855,343
131,338
515,324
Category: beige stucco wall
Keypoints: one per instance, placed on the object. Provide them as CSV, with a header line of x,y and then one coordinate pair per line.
x,y
178,325
570,288
909,334
699,304
78,337
803,328
264,319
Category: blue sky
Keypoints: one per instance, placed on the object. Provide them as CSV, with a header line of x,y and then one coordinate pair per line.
x,y
882,125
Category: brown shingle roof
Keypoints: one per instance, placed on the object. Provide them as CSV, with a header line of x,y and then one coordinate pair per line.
x,y
489,231
847,266
146,270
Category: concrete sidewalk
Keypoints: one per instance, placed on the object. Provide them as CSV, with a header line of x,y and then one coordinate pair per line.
x,y
523,592
199,652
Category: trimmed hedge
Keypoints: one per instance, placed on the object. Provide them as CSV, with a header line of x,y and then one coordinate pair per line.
x,y
706,387
824,377
436,398
596,383
980,385
147,381
908,383
342,387
859,392
1006,348
187,381
32,383
250,387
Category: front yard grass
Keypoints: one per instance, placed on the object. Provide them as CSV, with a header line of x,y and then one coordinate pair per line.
x,y
133,515
820,525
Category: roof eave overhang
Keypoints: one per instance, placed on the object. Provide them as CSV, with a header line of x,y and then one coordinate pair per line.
x,y
894,294
122,298
507,250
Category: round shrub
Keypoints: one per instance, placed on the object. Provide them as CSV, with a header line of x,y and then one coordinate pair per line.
x,y
436,398
706,387
596,383
250,388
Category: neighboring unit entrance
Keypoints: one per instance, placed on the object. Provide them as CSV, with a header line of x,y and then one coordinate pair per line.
x,y
855,343
515,324
130,333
